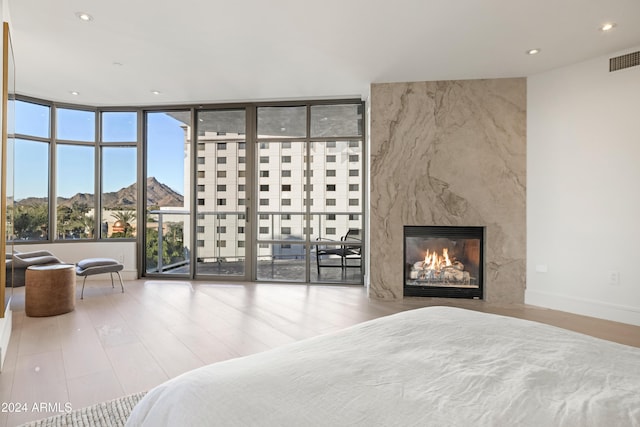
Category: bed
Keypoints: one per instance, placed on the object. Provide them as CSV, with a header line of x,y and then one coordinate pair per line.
x,y
436,366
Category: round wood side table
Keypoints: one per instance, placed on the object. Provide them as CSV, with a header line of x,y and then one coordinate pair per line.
x,y
50,290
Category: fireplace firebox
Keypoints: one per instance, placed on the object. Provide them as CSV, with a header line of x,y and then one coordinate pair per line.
x,y
443,261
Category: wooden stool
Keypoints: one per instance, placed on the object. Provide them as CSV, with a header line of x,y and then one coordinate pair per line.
x,y
50,290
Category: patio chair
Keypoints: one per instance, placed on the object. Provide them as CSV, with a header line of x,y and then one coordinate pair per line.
x,y
349,249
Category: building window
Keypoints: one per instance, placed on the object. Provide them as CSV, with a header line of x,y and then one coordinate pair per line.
x,y
200,243
264,174
354,202
286,145
221,229
201,202
201,146
354,172
221,174
221,243
286,202
330,231
222,145
220,187
221,202
354,157
201,174
264,159
240,230
241,243
354,187
264,187
286,187
200,229
331,202
331,144
331,217
221,160
285,230
331,187
264,216
330,172
331,159
201,160
286,174
264,230
286,159
264,202
200,188
242,159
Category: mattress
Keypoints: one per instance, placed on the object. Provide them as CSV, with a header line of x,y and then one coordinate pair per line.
x,y
435,366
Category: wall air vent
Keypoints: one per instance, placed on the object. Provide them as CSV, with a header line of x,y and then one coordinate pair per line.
x,y
624,61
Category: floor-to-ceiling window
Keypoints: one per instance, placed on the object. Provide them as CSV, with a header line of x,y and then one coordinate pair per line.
x,y
270,192
221,194
167,222
310,192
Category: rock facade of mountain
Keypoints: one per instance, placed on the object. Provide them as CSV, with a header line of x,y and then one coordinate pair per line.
x,y
158,194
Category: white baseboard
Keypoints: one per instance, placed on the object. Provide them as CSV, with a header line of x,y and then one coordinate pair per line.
x,y
584,306
6,324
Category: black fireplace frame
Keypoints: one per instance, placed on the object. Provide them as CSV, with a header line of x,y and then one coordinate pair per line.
x,y
450,232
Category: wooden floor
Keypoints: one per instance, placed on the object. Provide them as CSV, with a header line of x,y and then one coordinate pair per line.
x,y
115,344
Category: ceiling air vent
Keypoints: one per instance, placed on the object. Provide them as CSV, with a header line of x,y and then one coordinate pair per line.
x,y
624,61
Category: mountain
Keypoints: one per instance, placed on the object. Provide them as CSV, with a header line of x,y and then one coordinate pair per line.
x,y
158,194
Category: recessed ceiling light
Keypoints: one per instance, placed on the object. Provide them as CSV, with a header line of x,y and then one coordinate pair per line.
x,y
608,26
533,51
74,93
84,16
117,64
155,92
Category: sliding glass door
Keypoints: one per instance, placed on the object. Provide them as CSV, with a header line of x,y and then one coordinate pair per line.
x,y
168,244
222,187
259,192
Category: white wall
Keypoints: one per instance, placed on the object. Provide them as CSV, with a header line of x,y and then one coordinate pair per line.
x,y
583,190
73,252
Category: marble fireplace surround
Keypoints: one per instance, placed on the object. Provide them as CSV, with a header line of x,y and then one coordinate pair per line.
x,y
449,153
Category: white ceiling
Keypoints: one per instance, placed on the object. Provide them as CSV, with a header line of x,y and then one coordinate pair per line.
x,y
201,51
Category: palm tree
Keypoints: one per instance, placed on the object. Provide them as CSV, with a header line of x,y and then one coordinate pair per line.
x,y
125,217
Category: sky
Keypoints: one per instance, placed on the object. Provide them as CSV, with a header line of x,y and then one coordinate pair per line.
x,y
75,163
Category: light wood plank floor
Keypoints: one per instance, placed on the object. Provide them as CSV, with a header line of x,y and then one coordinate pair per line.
x,y
115,344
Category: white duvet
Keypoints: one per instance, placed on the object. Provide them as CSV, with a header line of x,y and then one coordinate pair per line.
x,y
436,366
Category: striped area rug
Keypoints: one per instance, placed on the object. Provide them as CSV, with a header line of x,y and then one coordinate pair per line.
x,y
109,414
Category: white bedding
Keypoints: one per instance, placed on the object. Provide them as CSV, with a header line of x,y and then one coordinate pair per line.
x,y
436,366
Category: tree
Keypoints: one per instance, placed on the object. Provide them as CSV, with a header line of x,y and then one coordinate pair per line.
x,y
125,217
31,222
72,221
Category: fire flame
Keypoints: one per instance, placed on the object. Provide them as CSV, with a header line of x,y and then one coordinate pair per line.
x,y
435,261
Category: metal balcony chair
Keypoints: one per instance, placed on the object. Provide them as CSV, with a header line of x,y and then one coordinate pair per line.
x,y
350,248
